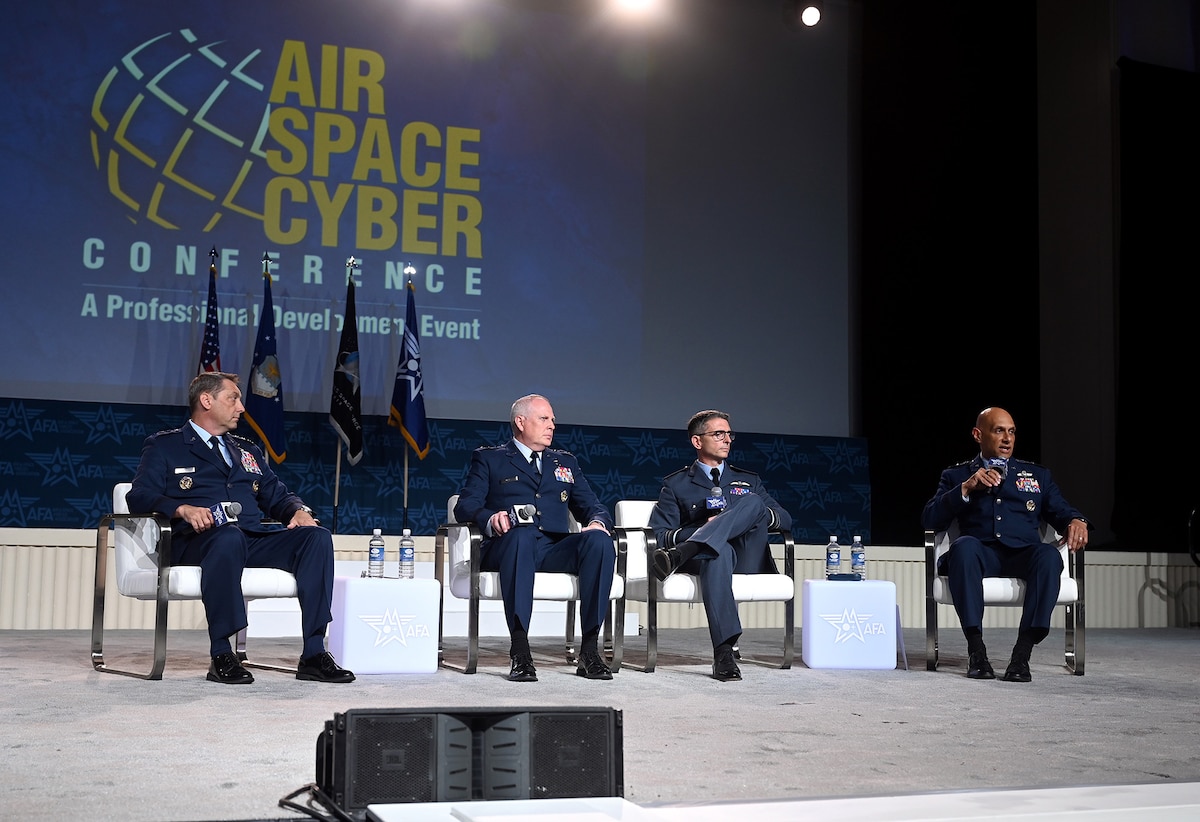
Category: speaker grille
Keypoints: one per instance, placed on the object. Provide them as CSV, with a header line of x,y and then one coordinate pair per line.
x,y
570,755
391,759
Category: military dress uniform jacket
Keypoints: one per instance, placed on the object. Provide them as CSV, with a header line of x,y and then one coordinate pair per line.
x,y
500,477
179,468
1010,515
682,501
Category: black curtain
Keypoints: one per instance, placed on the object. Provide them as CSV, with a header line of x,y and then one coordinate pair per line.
x,y
949,318
1157,459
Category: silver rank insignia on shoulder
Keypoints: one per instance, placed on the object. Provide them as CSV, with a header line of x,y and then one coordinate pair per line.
x,y
1029,506
185,483
563,496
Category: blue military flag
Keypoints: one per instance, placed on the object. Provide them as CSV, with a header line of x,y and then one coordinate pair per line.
x,y
210,350
345,406
264,391
408,395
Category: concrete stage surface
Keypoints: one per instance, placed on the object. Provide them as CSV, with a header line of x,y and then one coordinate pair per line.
x,y
798,743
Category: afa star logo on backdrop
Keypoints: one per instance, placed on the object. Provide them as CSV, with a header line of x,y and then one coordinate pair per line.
x,y
863,490
612,485
811,493
351,515
14,421
103,424
456,476
12,508
61,466
840,456
389,478
92,509
313,476
646,448
778,454
495,436
427,518
579,444
436,440
391,626
838,525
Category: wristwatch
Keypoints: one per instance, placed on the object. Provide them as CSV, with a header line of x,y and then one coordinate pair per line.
x,y
305,509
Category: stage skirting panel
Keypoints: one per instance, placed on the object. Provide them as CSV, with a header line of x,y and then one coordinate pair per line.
x,y
46,582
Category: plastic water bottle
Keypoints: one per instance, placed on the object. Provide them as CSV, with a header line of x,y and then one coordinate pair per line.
x,y
375,555
833,558
408,553
858,558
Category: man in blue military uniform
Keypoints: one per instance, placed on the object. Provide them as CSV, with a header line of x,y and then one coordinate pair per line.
x,y
519,540
999,503
186,474
712,519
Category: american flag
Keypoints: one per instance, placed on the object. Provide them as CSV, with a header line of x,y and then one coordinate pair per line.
x,y
210,352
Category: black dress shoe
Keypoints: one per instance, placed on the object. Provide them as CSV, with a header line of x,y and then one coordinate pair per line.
x,y
592,665
522,669
666,562
322,668
1018,671
978,666
226,669
725,668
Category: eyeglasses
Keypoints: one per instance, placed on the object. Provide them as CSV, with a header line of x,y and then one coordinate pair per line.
x,y
720,436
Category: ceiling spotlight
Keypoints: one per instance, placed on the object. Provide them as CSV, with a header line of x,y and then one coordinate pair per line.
x,y
810,12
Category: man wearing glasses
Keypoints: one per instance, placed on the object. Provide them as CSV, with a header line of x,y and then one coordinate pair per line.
x,y
712,520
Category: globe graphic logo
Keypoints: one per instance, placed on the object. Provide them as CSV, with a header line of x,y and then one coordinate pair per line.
x,y
178,128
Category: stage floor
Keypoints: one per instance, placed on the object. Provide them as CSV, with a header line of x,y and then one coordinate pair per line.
x,y
80,744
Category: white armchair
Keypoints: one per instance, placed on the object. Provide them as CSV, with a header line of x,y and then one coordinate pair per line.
x,y
638,545
1001,591
457,553
142,554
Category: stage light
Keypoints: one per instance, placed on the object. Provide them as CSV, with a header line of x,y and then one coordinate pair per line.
x,y
803,12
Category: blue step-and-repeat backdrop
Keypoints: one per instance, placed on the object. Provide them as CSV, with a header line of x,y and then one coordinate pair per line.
x,y
60,460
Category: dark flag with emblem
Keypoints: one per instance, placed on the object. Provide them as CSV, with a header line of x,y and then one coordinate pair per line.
x,y
345,407
210,351
264,389
408,395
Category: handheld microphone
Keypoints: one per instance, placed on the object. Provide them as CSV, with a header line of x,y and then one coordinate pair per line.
x,y
715,500
1001,468
224,512
521,514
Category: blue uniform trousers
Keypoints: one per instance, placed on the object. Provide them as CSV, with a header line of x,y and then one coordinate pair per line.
x,y
223,552
970,559
525,550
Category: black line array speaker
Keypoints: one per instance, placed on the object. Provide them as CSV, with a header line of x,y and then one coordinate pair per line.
x,y
369,757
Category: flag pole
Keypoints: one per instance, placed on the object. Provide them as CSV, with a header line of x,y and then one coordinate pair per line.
x,y
337,485
405,525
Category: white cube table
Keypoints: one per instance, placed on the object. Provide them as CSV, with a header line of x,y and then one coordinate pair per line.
x,y
385,626
849,624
